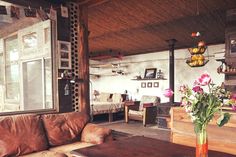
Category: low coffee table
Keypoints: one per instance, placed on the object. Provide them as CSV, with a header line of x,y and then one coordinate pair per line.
x,y
139,146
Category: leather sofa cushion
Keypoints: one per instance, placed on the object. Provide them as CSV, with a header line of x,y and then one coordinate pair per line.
x,y
95,134
45,153
21,134
64,128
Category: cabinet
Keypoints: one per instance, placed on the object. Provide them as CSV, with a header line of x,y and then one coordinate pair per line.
x,y
230,37
229,70
230,55
163,115
65,99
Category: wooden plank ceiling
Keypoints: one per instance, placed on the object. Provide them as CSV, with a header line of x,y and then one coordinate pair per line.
x,y
141,26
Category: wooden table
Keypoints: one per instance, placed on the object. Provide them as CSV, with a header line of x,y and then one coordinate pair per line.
x,y
139,146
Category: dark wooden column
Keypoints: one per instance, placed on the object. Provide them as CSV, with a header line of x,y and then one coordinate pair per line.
x,y
83,57
171,44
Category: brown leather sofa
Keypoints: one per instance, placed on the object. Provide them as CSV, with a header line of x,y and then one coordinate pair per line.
x,y
49,135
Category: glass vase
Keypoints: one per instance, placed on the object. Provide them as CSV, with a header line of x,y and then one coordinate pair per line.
x,y
202,143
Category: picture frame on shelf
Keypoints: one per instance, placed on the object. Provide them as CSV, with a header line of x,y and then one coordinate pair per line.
x,y
150,73
149,84
156,84
233,46
64,51
143,84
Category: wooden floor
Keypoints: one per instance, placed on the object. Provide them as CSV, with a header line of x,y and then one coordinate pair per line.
x,y
137,128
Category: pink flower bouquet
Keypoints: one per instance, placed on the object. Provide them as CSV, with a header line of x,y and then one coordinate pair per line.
x,y
202,101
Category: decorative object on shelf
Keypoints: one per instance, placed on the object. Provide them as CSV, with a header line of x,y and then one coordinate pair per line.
x,y
150,73
225,68
143,84
155,84
138,77
160,74
149,84
66,75
64,51
95,95
201,106
67,88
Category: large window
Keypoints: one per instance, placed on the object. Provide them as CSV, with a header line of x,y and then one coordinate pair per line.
x,y
26,69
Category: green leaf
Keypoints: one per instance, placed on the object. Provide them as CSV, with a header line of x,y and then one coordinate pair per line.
x,y
223,119
197,127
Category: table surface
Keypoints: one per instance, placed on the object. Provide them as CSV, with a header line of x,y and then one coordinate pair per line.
x,y
139,146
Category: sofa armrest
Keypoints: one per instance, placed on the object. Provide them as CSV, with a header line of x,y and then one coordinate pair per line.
x,y
133,106
95,134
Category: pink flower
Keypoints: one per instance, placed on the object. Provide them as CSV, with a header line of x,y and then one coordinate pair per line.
x,y
184,102
233,96
183,89
197,89
234,107
204,80
168,93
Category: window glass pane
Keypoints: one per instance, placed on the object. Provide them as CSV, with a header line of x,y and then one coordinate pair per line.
x,y
12,53
1,63
12,69
48,83
32,85
12,73
1,69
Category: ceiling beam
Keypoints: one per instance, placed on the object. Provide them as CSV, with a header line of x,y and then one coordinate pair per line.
x,y
94,3
91,3
33,4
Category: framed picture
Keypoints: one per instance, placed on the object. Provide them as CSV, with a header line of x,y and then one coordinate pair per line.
x,y
233,46
143,84
149,84
64,51
155,84
150,73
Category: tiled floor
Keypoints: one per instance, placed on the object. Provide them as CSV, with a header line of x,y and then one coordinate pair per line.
x,y
136,128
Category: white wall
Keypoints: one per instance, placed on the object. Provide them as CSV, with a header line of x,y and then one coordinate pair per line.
x,y
184,74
